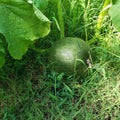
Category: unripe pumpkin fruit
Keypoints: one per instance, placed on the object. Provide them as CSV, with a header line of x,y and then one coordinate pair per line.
x,y
69,55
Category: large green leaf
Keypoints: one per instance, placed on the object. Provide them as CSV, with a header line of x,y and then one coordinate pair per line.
x,y
115,14
21,23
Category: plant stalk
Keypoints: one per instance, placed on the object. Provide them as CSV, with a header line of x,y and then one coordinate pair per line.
x,y
86,19
102,15
60,18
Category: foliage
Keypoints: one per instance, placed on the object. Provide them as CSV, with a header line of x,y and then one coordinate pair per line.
x,y
31,90
114,13
102,15
21,23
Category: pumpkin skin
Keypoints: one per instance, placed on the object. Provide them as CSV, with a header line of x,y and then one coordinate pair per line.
x,y
69,55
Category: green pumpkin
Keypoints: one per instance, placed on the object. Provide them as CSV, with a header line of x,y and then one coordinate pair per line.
x,y
69,55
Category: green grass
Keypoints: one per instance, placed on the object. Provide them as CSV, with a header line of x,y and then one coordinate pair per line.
x,y
30,90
